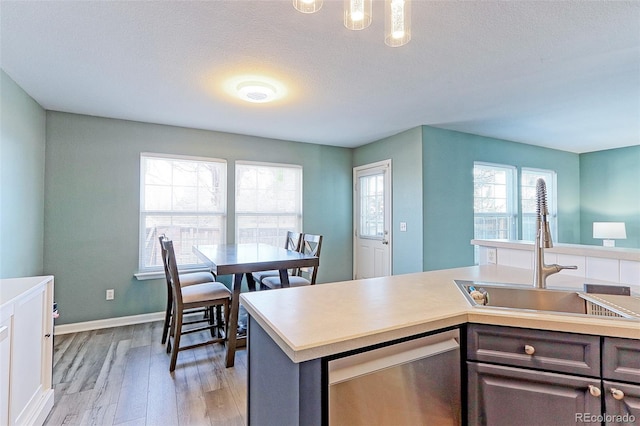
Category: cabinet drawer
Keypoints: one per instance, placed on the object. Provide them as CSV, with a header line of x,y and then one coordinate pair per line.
x,y
548,350
621,359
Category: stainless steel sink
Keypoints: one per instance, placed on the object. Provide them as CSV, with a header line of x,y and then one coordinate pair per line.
x,y
514,296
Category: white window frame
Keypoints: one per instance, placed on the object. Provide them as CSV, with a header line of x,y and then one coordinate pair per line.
x,y
529,217
184,245
511,203
279,236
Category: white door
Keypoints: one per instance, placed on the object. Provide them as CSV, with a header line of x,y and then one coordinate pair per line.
x,y
372,220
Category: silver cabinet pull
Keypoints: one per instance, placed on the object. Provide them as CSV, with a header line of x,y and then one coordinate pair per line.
x,y
617,394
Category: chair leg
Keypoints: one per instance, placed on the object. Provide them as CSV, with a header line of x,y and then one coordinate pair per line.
x,y
176,331
212,321
219,321
226,319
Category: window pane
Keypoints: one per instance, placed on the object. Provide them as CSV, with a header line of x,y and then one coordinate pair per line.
x,y
268,202
494,202
529,178
184,199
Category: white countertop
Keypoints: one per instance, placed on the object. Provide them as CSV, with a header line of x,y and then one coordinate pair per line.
x,y
10,288
621,253
315,321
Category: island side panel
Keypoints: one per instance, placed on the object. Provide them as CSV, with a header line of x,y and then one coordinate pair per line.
x,y
280,391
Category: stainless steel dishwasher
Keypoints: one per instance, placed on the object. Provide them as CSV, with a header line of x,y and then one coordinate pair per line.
x,y
416,382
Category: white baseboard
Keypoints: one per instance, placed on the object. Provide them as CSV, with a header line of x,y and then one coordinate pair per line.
x,y
107,323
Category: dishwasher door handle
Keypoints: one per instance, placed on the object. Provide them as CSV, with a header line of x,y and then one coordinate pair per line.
x,y
389,356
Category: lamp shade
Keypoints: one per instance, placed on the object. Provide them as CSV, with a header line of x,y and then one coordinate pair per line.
x,y
307,6
357,14
397,22
609,230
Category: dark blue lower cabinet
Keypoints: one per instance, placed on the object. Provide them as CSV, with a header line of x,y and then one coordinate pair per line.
x,y
501,395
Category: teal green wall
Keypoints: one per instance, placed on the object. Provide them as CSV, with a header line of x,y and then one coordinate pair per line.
x,y
92,205
22,160
79,220
448,158
405,152
610,192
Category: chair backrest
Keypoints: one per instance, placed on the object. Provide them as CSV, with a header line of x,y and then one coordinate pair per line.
x,y
294,239
171,269
311,245
161,238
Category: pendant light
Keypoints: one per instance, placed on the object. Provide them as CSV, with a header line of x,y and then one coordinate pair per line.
x,y
307,6
397,22
357,14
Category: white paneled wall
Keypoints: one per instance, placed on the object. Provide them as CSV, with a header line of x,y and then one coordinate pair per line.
x,y
589,267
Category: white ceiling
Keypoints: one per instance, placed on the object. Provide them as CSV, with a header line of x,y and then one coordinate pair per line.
x,y
562,74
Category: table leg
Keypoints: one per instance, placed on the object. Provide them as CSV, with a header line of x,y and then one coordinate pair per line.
x,y
232,333
251,283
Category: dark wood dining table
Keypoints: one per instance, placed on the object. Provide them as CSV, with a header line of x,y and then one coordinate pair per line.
x,y
244,259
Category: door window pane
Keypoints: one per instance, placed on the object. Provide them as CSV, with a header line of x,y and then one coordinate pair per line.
x,y
371,206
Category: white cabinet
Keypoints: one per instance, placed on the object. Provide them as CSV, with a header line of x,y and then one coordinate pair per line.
x,y
26,350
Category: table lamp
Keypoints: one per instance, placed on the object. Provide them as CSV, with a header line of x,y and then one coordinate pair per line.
x,y
609,232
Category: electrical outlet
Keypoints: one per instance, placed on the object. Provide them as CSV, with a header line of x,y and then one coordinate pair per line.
x,y
492,255
403,226
110,294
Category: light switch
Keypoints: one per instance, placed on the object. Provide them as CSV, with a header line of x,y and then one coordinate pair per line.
x,y
403,226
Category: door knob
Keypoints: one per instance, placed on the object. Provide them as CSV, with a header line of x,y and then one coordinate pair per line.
x,y
385,242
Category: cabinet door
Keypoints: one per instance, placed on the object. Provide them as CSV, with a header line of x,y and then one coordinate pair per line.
x,y
28,348
510,396
621,359
621,400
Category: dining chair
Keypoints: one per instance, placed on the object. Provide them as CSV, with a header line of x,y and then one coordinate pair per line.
x,y
310,245
293,242
212,296
186,279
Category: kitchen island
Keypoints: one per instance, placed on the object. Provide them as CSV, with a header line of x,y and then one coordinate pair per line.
x,y
293,331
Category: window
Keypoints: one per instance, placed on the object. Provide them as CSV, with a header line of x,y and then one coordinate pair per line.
x,y
268,202
528,194
494,201
184,198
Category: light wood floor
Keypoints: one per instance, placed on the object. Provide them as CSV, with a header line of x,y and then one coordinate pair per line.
x,y
120,376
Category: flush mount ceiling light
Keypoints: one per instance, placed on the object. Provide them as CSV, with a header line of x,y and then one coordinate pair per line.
x,y
357,14
255,88
307,6
256,91
397,22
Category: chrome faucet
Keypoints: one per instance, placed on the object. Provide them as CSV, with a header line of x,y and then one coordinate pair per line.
x,y
543,240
